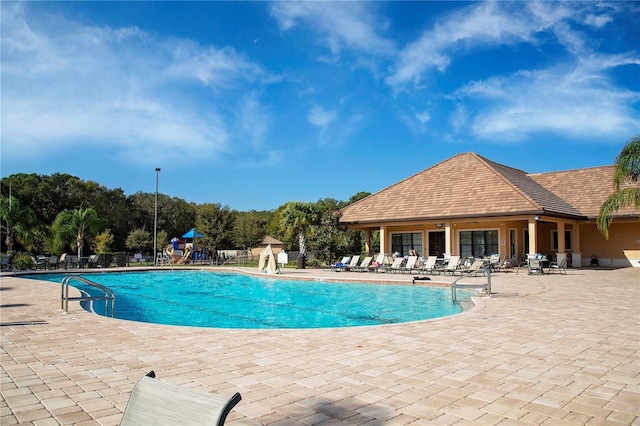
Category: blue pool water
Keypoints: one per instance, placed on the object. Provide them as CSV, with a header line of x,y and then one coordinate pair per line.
x,y
229,300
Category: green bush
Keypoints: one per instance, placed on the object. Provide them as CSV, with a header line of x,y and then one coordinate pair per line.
x,y
22,261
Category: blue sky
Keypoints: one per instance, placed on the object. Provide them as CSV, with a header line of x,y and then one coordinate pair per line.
x,y
253,104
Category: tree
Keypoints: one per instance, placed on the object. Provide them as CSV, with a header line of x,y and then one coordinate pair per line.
x,y
78,224
299,217
249,229
215,223
18,223
138,239
162,239
626,169
103,241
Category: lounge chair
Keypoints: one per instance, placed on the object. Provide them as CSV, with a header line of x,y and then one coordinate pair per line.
x,y
452,265
154,402
5,263
429,266
561,266
95,260
382,261
354,263
364,265
475,267
410,265
395,266
339,266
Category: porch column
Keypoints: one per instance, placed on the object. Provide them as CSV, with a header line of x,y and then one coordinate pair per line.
x,y
561,242
448,240
367,241
533,235
576,260
383,240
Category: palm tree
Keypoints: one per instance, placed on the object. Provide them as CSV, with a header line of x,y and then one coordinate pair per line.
x,y
300,216
18,223
626,169
77,224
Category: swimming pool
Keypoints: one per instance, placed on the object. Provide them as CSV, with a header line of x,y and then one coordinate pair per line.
x,y
232,300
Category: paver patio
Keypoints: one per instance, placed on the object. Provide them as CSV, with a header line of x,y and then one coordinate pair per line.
x,y
552,350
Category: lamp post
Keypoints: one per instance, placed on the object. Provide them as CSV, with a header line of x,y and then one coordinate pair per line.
x,y
155,224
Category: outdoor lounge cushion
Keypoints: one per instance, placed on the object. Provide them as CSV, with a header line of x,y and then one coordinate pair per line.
x,y
158,403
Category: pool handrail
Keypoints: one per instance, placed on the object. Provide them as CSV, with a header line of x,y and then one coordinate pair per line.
x,y
108,296
486,287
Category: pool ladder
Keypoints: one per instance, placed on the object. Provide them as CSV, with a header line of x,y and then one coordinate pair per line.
x,y
107,295
486,287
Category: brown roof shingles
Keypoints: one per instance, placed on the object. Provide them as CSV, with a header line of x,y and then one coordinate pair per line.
x,y
585,189
468,185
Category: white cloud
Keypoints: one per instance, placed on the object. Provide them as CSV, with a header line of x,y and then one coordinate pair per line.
x,y
423,117
478,25
577,103
67,85
321,117
576,98
341,24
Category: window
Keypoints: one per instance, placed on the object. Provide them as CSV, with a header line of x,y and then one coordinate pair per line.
x,y
567,240
404,242
478,243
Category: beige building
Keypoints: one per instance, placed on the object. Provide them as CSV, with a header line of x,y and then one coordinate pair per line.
x,y
471,206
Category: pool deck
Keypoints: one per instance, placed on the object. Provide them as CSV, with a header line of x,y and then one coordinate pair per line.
x,y
543,350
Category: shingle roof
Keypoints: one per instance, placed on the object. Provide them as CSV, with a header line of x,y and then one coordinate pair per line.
x,y
585,189
270,240
465,185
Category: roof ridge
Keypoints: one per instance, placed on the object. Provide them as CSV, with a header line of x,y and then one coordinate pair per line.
x,y
572,170
494,169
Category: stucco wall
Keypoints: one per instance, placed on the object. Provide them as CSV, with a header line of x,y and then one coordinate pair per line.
x,y
622,236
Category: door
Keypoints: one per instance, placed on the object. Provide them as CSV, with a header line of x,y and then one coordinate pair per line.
x,y
436,243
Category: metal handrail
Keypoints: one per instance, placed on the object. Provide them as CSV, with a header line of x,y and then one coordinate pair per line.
x,y
485,286
108,296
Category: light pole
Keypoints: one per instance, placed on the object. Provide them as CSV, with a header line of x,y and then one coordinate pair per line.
x,y
155,224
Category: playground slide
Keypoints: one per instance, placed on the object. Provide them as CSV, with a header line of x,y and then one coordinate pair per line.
x,y
179,256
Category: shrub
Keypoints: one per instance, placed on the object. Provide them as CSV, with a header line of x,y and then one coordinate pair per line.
x,y
22,261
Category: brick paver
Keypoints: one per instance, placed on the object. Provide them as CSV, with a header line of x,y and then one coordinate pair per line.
x,y
543,350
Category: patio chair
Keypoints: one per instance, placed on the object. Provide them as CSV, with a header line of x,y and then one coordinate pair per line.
x,y
452,265
339,266
95,260
395,266
429,266
494,262
40,262
154,402
52,262
475,267
561,266
354,263
410,265
5,263
364,265
535,266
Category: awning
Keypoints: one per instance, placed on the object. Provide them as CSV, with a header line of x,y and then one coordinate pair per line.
x,y
192,233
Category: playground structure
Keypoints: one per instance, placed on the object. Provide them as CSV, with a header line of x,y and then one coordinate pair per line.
x,y
177,256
